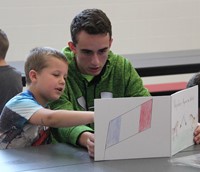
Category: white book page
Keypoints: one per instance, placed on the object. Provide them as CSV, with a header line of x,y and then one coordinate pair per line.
x,y
137,127
184,118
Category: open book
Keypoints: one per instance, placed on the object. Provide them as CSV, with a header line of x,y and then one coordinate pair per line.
x,y
143,127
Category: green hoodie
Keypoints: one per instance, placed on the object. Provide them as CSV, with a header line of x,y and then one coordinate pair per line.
x,y
117,79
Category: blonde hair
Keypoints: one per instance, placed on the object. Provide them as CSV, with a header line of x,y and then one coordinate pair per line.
x,y
38,57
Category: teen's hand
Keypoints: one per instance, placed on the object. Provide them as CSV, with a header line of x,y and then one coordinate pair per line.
x,y
197,135
87,140
90,145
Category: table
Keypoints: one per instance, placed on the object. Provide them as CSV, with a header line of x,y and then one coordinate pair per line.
x,y
152,64
62,157
166,63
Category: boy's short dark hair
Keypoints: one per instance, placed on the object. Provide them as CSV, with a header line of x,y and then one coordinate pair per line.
x,y
4,44
38,57
92,21
195,80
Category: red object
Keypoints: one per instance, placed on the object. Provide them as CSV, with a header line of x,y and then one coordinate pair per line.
x,y
145,115
175,86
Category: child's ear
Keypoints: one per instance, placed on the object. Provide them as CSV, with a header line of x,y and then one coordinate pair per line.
x,y
33,75
72,47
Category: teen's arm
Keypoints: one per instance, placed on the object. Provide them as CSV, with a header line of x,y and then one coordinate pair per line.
x,y
68,134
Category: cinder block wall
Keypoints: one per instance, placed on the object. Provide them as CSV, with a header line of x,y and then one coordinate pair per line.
x,y
139,26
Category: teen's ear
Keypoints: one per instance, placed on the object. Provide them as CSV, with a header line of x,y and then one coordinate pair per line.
x,y
33,75
72,47
110,42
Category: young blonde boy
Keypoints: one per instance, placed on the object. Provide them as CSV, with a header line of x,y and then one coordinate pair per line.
x,y
25,119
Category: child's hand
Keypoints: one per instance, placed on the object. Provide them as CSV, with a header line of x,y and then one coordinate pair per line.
x,y
197,134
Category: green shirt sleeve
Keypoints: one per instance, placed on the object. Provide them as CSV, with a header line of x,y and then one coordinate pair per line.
x,y
67,134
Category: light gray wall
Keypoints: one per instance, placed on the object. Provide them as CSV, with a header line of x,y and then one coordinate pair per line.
x,y
139,26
